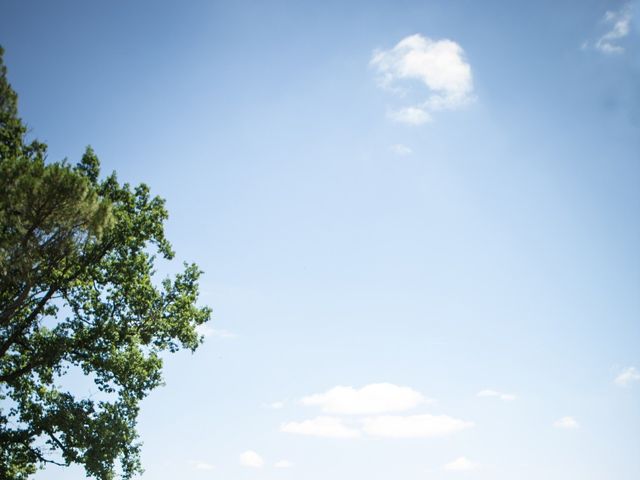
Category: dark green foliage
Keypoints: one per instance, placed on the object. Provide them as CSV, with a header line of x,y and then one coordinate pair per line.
x,y
76,293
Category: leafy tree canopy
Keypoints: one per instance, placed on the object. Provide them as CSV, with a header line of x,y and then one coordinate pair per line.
x,y
77,293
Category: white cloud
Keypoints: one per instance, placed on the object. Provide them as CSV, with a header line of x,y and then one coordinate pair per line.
x,y
507,397
198,465
414,426
400,149
620,23
283,464
439,65
321,427
566,422
208,331
251,459
460,464
370,399
410,115
628,376
275,405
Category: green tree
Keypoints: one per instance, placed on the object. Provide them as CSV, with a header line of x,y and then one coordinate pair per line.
x,y
77,293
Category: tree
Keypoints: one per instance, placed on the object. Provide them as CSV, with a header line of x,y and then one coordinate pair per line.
x,y
78,293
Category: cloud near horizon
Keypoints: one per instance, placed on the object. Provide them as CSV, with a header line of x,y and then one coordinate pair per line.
x,y
439,65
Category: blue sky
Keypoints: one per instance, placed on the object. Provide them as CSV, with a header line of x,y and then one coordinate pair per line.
x,y
418,222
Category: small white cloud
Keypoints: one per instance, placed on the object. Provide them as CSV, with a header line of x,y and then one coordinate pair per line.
x,y
370,399
283,464
414,426
410,116
275,405
628,376
251,459
566,422
620,23
460,464
439,65
198,465
321,427
208,331
506,397
400,149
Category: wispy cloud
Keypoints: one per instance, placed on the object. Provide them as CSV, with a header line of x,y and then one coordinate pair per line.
x,y
370,399
400,149
208,331
199,465
414,426
439,65
619,24
507,397
628,376
251,459
321,427
410,115
460,464
567,423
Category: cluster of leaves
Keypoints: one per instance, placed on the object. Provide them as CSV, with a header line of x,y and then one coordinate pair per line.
x,y
77,293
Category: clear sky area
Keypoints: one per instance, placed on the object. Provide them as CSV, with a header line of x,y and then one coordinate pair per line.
x,y
419,223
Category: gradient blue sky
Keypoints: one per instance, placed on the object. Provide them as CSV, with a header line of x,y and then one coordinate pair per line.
x,y
495,247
